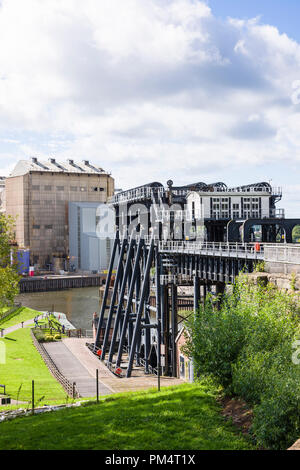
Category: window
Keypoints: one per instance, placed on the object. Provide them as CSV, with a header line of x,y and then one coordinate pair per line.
x,y
235,207
36,227
95,189
83,188
48,227
35,188
48,188
36,203
73,188
60,188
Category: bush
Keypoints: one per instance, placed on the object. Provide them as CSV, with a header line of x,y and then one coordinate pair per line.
x,y
247,347
276,422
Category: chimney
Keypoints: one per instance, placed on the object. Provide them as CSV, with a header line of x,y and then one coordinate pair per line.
x,y
34,160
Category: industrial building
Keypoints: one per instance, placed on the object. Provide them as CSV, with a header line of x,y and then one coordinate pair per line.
x,y
38,195
91,235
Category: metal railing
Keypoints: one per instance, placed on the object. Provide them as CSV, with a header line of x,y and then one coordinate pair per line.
x,y
138,194
283,253
238,250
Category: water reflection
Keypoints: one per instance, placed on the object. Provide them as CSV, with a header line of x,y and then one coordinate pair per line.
x,y
78,304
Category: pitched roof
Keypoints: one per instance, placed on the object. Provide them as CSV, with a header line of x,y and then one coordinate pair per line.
x,y
34,164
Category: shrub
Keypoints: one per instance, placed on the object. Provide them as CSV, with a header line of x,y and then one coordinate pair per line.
x,y
247,347
276,422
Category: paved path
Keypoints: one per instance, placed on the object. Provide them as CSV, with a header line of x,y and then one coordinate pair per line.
x,y
18,326
74,370
116,384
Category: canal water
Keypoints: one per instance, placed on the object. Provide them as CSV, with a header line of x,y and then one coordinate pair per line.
x,y
78,304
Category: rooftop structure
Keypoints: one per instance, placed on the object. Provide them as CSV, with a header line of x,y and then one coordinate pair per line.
x,y
53,166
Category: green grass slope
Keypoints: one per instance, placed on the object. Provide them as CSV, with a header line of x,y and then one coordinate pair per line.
x,y
24,364
178,418
22,314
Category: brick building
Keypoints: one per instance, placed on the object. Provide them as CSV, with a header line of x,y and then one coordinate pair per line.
x,y
38,194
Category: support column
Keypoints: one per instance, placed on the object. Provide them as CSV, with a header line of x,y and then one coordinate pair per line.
x,y
106,291
174,321
196,293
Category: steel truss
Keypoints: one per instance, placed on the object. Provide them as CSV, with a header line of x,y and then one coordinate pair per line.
x,y
139,334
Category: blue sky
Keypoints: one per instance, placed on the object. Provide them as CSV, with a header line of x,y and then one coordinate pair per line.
x,y
284,14
187,90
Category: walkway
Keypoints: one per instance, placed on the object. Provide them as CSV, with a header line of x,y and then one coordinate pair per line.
x,y
135,383
73,370
18,326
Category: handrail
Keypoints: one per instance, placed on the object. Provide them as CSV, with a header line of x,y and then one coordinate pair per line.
x,y
69,387
243,250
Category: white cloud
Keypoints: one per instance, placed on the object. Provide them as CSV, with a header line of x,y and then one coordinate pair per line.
x,y
149,90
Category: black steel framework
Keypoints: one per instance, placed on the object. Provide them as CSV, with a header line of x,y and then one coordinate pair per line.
x,y
136,332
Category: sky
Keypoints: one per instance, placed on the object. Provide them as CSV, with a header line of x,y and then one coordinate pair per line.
x,y
187,90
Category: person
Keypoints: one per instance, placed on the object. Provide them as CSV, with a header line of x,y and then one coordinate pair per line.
x,y
63,329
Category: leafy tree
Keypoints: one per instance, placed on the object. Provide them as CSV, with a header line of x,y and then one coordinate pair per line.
x,y
296,234
9,278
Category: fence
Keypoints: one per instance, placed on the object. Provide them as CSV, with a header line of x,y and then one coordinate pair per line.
x,y
283,258
69,387
80,333
11,311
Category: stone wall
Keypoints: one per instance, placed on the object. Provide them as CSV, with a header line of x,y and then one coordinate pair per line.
x,y
287,282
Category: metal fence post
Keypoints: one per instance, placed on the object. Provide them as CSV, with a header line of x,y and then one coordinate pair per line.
x,y
97,384
32,397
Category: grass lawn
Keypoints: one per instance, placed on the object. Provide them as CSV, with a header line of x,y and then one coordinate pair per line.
x,y
185,417
24,364
22,314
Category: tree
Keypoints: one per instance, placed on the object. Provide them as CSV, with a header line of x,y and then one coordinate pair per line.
x,y
9,278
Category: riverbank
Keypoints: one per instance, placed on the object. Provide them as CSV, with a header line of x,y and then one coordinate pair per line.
x,y
54,283
77,304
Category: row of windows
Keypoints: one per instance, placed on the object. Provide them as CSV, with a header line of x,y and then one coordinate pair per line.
x,y
72,188
47,227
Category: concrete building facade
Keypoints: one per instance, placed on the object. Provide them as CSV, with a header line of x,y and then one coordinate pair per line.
x,y
91,236
38,195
